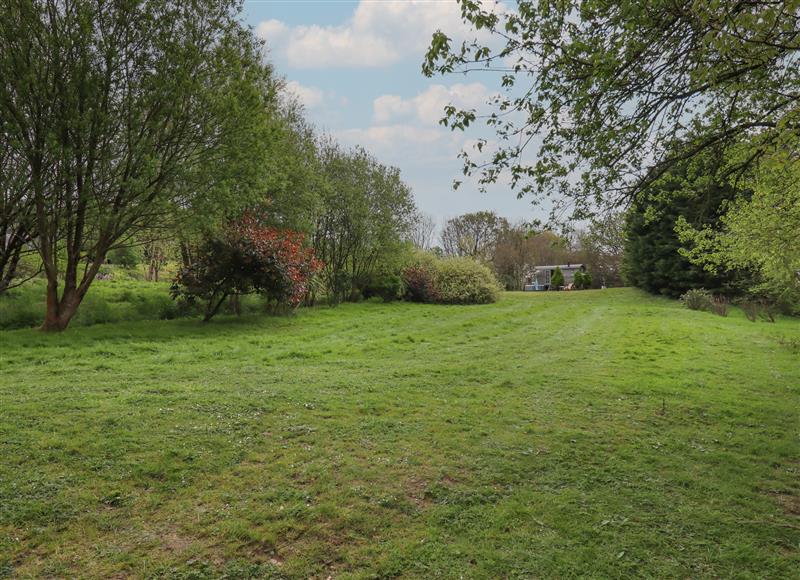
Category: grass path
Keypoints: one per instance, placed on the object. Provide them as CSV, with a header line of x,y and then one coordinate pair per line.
x,y
600,433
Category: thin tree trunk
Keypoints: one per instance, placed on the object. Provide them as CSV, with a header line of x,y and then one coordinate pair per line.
x,y
9,270
236,304
210,312
186,255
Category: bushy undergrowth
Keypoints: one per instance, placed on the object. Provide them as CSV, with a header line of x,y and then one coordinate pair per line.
x,y
753,308
696,299
765,310
719,305
582,280
450,281
419,279
384,285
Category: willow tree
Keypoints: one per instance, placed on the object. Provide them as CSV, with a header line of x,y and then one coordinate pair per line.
x,y
591,93
16,212
128,115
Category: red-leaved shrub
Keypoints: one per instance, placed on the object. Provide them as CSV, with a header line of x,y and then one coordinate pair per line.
x,y
248,258
285,252
420,284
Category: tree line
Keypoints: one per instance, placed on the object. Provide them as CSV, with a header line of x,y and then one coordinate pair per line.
x,y
515,249
159,126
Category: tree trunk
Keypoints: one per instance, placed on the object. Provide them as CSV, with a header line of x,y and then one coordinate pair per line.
x,y
59,311
51,318
212,309
8,271
236,305
9,260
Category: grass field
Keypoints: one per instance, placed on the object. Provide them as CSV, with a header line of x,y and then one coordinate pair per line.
x,y
598,433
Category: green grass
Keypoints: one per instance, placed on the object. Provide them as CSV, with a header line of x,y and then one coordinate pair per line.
x,y
124,298
117,300
597,434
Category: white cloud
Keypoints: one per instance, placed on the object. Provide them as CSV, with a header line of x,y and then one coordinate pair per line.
x,y
342,46
377,34
391,137
274,32
428,106
310,96
388,107
405,145
271,29
407,130
427,157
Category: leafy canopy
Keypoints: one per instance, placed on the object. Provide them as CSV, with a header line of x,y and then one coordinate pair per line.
x,y
592,92
760,233
473,235
364,214
691,193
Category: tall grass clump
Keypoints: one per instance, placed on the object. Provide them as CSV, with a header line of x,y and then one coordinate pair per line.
x,y
697,299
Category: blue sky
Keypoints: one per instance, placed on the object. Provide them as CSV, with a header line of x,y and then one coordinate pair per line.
x,y
356,67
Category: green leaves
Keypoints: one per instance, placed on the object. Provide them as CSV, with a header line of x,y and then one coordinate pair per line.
x,y
758,233
609,87
365,212
439,49
129,117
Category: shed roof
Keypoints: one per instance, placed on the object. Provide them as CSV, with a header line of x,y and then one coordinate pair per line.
x,y
561,266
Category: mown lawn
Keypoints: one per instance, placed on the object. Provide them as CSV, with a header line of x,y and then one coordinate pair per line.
x,y
599,433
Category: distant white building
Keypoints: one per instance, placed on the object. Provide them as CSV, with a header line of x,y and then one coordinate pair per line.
x,y
539,278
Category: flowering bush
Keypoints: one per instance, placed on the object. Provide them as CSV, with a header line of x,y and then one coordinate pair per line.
x,y
248,258
420,284
450,281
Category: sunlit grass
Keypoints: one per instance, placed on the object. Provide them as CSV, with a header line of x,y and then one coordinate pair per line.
x,y
602,433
